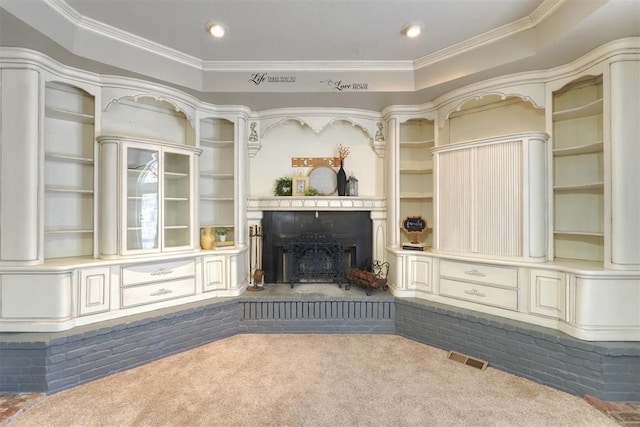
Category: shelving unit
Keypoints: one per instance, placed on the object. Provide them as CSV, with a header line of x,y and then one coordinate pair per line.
x,y
578,170
69,172
416,173
217,180
158,199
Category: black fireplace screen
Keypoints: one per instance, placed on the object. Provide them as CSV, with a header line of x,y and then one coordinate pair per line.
x,y
316,257
351,229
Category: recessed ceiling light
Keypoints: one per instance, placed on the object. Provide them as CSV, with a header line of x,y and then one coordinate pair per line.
x,y
216,30
412,30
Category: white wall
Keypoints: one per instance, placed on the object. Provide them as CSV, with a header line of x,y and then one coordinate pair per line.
x,y
292,139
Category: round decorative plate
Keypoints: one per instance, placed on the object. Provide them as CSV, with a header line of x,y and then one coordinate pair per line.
x,y
324,179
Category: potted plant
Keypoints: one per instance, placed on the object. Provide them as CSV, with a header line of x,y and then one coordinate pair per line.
x,y
221,233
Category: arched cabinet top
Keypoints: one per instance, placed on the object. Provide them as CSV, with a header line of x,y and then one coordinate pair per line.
x,y
535,97
152,100
317,120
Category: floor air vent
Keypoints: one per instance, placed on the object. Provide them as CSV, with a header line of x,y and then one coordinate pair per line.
x,y
467,360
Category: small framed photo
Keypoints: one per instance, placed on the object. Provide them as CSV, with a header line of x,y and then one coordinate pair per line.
x,y
300,185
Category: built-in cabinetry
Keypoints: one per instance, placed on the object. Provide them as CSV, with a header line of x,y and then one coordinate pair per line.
x,y
217,178
69,172
480,283
155,201
158,281
490,197
578,170
416,173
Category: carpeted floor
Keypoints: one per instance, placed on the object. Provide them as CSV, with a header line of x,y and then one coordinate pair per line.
x,y
311,380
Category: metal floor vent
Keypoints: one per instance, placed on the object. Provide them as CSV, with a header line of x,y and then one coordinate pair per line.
x,y
467,360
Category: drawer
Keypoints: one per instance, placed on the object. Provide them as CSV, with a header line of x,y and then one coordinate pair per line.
x,y
154,292
146,273
486,295
492,275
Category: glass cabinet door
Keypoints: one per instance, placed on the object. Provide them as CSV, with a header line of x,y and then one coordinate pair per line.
x,y
143,192
177,203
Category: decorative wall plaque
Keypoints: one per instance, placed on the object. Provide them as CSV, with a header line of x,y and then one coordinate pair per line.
x,y
312,162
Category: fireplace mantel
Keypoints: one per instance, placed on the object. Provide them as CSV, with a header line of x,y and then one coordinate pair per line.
x,y
324,203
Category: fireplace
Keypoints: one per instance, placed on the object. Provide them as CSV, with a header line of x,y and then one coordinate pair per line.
x,y
350,231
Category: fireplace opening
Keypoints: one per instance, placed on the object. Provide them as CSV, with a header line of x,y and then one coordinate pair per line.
x,y
351,234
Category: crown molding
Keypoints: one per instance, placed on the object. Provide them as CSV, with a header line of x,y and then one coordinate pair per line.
x,y
284,66
547,8
81,22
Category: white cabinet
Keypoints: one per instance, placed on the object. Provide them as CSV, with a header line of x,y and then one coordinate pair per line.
x,y
416,172
479,283
155,282
94,290
69,139
20,210
154,204
578,170
217,174
215,272
547,293
491,197
419,274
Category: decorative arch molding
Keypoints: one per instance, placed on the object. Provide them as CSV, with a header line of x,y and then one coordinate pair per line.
x,y
459,104
158,98
369,122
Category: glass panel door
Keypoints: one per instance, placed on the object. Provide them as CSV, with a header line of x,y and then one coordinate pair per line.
x,y
177,204
142,199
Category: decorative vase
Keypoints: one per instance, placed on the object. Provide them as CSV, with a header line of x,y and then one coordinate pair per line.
x,y
207,239
342,181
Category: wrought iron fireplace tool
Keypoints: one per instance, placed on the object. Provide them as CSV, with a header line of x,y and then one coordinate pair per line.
x,y
255,247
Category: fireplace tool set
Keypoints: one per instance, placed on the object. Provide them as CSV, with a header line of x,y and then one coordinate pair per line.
x,y
255,255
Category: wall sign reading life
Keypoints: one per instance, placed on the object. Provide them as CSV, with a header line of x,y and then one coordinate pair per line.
x,y
259,78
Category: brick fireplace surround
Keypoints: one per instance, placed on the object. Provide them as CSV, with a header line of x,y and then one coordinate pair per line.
x,y
51,362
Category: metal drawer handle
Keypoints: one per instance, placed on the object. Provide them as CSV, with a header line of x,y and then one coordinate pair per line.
x,y
474,272
161,271
475,293
160,292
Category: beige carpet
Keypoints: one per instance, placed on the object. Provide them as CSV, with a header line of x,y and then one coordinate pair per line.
x,y
311,380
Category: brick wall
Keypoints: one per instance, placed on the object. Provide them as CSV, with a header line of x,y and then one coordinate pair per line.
x,y
53,362
31,362
607,370
316,315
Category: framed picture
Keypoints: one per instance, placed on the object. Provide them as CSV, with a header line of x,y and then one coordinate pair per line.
x,y
300,185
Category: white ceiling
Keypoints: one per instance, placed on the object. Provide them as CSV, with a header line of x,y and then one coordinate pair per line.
x,y
463,41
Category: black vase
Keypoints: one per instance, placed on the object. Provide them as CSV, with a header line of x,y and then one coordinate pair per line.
x,y
342,181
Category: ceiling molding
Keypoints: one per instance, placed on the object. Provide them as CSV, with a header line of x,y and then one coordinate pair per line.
x,y
284,66
81,22
543,11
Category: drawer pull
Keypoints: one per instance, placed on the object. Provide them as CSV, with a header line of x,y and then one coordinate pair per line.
x,y
161,272
160,292
475,293
474,272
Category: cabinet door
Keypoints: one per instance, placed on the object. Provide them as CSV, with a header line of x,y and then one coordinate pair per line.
x,y
548,293
142,214
94,290
214,273
419,274
177,200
